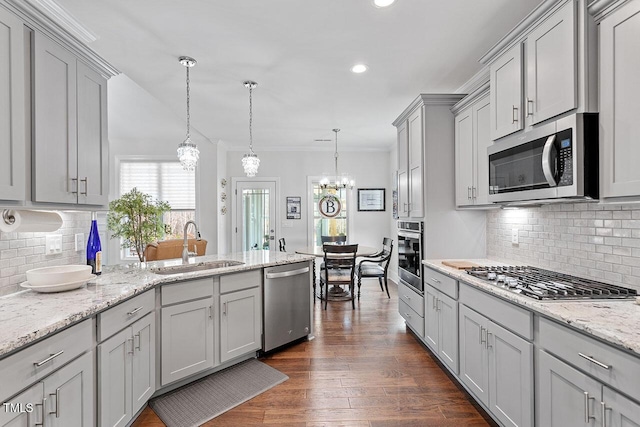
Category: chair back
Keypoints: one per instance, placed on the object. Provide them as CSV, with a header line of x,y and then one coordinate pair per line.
x,y
340,256
387,250
334,239
282,244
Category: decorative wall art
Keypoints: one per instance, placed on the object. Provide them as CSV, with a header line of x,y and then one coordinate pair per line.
x,y
293,207
371,199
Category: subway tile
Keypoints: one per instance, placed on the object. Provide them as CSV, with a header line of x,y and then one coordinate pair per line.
x,y
613,241
622,215
602,249
604,232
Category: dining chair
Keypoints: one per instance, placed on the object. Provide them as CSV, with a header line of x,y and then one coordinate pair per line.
x,y
340,266
282,244
377,266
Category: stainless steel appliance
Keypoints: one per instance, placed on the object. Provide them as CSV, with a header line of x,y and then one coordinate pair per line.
x,y
558,160
548,285
287,304
410,251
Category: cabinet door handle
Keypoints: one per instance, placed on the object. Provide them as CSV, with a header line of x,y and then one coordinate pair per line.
x,y
44,401
57,395
224,308
135,310
138,347
483,340
48,359
132,346
86,185
76,182
469,193
514,115
587,417
407,297
473,192
210,312
529,103
487,342
433,302
592,360
408,315
604,413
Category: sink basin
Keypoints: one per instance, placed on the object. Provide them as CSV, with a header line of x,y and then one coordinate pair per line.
x,y
187,268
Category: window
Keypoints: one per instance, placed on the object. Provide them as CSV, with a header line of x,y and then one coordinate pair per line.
x,y
163,180
322,226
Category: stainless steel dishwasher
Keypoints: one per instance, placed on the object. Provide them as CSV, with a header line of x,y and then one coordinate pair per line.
x,y
287,304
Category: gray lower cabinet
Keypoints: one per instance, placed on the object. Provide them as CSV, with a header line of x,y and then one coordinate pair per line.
x,y
497,366
187,339
618,411
24,410
240,323
441,326
126,372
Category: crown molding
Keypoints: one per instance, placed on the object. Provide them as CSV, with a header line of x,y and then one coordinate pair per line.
x,y
478,80
600,9
445,99
48,18
471,98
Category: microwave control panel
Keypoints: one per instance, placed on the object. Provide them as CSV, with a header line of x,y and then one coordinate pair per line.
x,y
565,163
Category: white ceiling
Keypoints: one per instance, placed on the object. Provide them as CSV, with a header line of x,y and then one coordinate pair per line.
x,y
300,53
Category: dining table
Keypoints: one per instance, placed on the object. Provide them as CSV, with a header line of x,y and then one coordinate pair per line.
x,y
336,293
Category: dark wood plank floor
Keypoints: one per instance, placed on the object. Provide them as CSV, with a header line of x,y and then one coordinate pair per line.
x,y
364,369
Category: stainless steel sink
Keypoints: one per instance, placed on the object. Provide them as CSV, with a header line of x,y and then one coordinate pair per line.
x,y
187,268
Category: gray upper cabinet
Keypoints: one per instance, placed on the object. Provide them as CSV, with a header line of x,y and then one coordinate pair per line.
x,y
12,108
506,93
403,171
70,116
619,94
410,165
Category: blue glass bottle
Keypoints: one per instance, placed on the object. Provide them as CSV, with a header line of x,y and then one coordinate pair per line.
x,y
94,249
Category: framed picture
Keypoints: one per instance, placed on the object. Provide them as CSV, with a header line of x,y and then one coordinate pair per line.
x,y
371,199
293,208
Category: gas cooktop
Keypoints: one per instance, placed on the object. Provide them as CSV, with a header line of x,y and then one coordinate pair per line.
x,y
548,285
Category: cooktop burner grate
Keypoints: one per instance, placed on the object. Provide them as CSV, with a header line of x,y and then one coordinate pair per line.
x,y
549,285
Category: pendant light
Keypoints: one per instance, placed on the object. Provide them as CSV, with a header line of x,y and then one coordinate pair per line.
x,y
341,181
188,152
250,162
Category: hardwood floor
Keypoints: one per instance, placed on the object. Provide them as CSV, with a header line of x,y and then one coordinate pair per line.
x,y
363,369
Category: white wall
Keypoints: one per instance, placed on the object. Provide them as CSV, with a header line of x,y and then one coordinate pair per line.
x,y
370,169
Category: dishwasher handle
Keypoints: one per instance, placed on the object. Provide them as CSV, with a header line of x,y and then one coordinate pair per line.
x,y
287,273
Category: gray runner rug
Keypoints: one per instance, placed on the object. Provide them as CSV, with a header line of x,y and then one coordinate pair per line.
x,y
197,403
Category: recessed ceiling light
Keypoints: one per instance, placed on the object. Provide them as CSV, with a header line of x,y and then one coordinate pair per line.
x,y
359,68
383,3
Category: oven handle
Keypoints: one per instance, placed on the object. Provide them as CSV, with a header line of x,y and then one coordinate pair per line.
x,y
549,156
411,235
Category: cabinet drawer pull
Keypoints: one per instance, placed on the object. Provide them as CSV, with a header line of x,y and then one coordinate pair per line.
x,y
587,417
135,310
435,280
529,103
592,360
48,359
407,297
514,115
57,395
86,185
44,401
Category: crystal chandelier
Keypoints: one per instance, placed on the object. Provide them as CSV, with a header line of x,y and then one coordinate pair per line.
x,y
250,162
341,181
188,152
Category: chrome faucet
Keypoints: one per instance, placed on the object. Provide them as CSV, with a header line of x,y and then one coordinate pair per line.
x,y
185,246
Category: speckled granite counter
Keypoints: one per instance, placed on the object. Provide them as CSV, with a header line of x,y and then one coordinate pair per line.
x,y
614,321
27,316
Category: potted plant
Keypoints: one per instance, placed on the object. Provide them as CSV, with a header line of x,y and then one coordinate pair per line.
x,y
137,219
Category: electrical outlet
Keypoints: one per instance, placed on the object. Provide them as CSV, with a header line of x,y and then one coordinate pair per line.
x,y
53,244
79,242
514,236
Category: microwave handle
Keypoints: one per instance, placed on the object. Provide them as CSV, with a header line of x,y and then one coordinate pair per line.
x,y
549,157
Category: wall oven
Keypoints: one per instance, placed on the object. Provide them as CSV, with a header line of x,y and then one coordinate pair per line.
x,y
558,160
410,252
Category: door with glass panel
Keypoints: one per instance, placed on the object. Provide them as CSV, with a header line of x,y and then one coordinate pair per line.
x,y
334,225
255,216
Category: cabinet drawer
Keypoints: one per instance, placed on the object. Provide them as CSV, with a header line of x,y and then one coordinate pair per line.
x,y
19,370
239,281
509,315
441,282
122,315
567,344
412,318
411,298
186,291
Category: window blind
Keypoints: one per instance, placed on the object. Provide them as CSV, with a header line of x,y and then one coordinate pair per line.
x,y
165,181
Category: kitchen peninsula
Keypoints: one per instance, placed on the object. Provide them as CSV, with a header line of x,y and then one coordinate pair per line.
x,y
123,314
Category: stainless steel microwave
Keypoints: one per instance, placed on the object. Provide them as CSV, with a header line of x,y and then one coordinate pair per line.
x,y
558,160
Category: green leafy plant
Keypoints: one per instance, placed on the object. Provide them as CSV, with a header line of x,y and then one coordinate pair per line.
x,y
137,219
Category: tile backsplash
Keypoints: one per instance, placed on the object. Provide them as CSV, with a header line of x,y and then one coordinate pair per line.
x,y
600,242
20,252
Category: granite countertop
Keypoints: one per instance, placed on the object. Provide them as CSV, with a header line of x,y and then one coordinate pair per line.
x,y
27,316
614,321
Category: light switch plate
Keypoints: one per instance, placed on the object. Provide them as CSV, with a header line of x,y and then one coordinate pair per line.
x,y
514,236
79,242
53,244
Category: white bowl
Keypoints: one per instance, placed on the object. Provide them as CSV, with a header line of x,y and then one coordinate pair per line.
x,y
55,275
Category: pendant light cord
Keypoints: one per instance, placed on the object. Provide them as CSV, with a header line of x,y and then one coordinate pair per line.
x,y
336,156
188,113
250,118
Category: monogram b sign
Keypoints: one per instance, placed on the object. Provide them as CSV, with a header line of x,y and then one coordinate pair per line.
x,y
329,206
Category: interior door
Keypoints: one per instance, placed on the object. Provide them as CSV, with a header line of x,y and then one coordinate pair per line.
x,y
255,216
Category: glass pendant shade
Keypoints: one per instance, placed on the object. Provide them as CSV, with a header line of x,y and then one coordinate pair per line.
x,y
250,163
188,154
341,181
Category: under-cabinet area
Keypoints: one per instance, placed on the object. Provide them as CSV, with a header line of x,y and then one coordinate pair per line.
x,y
527,363
104,369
